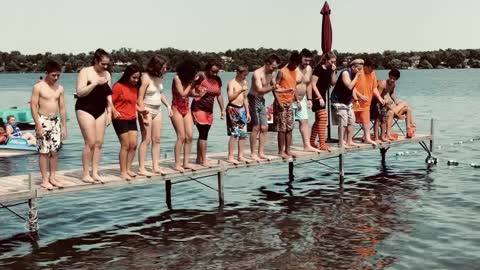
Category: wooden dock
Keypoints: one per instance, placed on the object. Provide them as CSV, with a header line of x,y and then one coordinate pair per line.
x,y
27,188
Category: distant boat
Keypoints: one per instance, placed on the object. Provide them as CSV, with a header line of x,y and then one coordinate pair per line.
x,y
17,147
23,116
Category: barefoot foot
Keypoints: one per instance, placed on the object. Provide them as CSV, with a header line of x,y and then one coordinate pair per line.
x,y
87,179
263,156
55,183
179,168
46,185
159,171
145,173
291,154
126,176
324,147
233,161
132,174
311,149
98,179
191,167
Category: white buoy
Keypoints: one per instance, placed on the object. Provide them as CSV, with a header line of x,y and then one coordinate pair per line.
x,y
452,163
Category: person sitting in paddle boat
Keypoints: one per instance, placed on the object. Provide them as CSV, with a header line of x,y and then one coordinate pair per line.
x,y
14,131
3,134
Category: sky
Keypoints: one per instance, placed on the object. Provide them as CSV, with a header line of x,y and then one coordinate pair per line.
x,y
67,26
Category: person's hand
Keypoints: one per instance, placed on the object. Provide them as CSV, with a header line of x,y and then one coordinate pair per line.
x,y
142,111
249,118
222,115
334,67
299,105
109,119
39,132
64,133
382,101
170,111
309,104
115,114
322,102
358,73
363,98
101,80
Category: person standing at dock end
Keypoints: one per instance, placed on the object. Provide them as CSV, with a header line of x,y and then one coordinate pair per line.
x,y
46,102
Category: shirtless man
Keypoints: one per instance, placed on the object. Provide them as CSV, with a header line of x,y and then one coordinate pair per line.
x,y
47,100
304,88
397,109
263,82
237,113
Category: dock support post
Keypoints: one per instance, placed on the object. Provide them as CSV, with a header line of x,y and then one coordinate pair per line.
x,y
383,152
32,206
291,176
168,193
340,156
220,178
431,133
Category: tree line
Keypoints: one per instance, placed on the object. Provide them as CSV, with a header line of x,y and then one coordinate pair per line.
x,y
15,61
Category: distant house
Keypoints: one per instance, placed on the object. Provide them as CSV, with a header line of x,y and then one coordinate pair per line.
x,y
122,64
226,59
414,61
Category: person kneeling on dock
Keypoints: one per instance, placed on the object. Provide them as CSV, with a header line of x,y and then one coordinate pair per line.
x,y
47,99
391,110
342,96
237,113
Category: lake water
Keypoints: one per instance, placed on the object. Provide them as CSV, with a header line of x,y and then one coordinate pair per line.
x,y
404,216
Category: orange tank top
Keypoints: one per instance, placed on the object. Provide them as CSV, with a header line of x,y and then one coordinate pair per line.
x,y
365,85
288,81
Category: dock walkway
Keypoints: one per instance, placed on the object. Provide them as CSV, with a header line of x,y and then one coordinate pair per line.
x,y
27,188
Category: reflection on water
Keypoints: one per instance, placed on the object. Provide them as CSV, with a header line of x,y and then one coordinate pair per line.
x,y
311,226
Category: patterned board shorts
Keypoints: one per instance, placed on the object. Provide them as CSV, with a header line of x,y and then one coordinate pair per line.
x,y
51,141
236,121
283,114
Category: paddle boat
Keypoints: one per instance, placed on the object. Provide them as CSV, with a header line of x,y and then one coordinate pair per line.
x,y
22,115
17,147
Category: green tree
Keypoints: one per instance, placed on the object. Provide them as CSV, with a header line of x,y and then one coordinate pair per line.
x,y
424,64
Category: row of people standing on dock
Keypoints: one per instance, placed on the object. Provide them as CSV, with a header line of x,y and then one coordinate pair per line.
x,y
138,96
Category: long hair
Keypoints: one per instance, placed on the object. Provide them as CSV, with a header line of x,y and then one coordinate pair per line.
x,y
187,70
326,56
155,65
128,72
98,55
